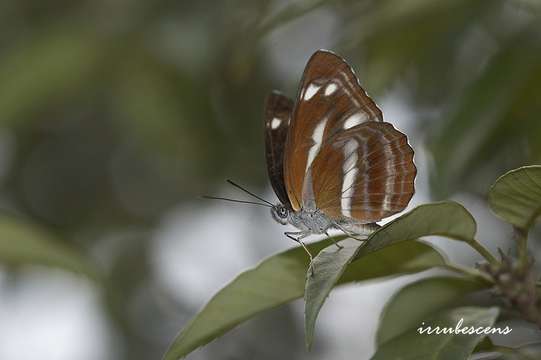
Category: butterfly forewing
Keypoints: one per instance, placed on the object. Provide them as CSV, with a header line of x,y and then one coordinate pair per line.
x,y
366,173
330,101
278,109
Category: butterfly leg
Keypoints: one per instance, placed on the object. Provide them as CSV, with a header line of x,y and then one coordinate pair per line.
x,y
300,235
332,239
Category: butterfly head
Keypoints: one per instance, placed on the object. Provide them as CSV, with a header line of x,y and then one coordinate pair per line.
x,y
280,213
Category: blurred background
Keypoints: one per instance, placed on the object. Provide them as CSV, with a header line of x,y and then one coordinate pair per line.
x,y
115,116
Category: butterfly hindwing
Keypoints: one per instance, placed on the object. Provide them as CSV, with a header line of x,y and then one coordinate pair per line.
x,y
278,109
374,177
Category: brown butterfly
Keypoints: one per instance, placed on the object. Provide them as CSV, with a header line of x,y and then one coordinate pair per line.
x,y
332,160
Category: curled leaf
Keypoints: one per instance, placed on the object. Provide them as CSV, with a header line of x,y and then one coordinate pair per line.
x,y
516,196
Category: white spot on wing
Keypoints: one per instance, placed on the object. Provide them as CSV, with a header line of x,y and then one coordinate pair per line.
x,y
275,123
317,137
311,90
330,89
388,180
350,171
355,119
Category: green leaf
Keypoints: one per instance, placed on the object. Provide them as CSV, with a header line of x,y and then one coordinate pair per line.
x,y
446,218
526,352
281,279
450,346
22,243
416,302
484,345
328,267
516,196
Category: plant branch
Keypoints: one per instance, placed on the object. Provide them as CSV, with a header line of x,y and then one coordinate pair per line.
x,y
521,237
517,283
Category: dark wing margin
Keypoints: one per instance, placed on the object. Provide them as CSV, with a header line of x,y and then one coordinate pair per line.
x,y
278,110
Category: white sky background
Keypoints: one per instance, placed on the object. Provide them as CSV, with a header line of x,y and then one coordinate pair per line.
x,y
51,315
59,316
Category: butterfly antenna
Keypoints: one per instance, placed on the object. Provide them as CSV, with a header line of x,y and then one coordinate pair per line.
x,y
234,200
249,193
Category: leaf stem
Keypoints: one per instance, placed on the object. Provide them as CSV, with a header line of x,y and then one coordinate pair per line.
x,y
467,271
483,251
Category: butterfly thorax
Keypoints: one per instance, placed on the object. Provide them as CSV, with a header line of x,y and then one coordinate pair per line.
x,y
313,221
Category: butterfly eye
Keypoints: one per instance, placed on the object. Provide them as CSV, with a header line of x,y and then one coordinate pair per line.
x,y
283,212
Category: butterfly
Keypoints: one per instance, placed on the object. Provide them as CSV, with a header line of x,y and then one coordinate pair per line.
x,y
332,161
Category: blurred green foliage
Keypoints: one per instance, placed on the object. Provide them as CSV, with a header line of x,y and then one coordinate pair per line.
x,y
112,113
24,243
